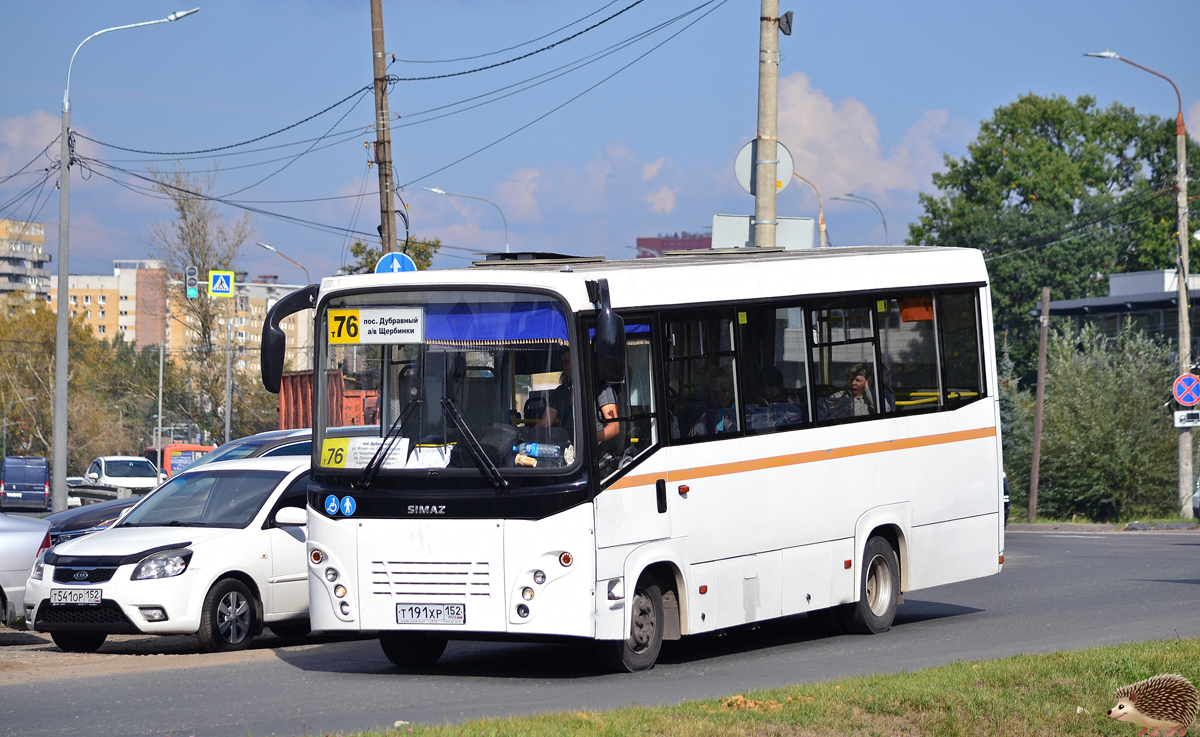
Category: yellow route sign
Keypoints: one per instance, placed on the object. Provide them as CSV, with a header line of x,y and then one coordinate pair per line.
x,y
344,326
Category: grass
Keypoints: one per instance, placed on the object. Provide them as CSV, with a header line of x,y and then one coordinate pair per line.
x,y
1014,518
1062,693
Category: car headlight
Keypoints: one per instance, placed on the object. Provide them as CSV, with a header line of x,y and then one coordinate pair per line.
x,y
164,564
39,564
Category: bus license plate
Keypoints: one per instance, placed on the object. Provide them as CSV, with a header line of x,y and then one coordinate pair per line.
x,y
431,614
74,596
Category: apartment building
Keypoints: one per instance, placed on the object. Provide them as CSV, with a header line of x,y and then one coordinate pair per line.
x,y
131,302
23,259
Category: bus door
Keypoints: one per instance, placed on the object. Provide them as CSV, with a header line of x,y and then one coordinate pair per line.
x,y
631,506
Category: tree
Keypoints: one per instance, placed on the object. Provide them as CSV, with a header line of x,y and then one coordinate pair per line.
x,y
1056,193
365,256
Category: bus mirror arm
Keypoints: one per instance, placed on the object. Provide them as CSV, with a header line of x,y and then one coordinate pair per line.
x,y
610,336
274,342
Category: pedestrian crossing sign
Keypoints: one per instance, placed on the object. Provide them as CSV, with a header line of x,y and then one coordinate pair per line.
x,y
220,283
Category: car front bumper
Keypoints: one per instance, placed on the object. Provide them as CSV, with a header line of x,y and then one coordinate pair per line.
x,y
122,602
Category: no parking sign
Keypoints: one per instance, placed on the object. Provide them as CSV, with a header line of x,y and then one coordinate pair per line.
x,y
1187,390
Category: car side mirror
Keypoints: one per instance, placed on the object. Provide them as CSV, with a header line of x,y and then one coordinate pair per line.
x,y
124,513
610,336
291,516
274,343
161,477
93,476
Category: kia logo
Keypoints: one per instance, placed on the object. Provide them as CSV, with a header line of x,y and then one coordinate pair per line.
x,y
81,575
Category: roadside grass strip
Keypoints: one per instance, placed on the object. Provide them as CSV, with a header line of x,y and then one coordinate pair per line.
x,y
1061,693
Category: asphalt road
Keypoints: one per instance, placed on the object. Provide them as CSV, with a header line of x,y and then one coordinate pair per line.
x,y
1057,591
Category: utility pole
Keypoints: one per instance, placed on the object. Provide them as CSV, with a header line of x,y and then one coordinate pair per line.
x,y
162,347
1037,411
1186,475
383,134
766,158
228,364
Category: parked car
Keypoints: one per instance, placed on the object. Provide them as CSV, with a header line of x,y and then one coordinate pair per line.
x,y
129,472
24,483
84,520
217,551
22,540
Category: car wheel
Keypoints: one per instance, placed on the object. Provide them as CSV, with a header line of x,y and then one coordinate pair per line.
x,y
292,629
227,622
411,649
78,642
878,591
640,650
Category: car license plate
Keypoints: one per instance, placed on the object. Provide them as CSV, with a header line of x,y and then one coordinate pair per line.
x,y
431,614
74,596
13,494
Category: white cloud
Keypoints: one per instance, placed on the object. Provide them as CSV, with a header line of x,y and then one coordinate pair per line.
x,y
649,171
22,138
662,200
518,195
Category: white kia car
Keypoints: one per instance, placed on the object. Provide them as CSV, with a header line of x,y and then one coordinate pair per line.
x,y
218,552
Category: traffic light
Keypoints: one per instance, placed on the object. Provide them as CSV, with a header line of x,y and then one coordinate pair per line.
x,y
191,279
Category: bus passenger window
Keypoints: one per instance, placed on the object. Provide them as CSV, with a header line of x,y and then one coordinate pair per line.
x,y
774,373
908,351
959,323
847,384
701,392
626,415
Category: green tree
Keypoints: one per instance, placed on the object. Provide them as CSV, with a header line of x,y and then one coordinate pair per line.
x,y
1056,193
366,256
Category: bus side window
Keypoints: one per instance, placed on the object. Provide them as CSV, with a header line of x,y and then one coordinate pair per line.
x,y
908,350
959,326
774,373
701,390
846,382
635,410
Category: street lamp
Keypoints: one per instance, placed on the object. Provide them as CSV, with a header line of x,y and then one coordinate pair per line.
x,y
869,203
7,407
1185,328
436,190
820,210
273,249
59,452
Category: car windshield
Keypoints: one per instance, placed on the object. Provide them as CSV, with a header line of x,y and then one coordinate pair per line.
x,y
211,498
130,469
465,379
234,451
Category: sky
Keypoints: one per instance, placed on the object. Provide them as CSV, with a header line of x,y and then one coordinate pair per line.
x,y
628,129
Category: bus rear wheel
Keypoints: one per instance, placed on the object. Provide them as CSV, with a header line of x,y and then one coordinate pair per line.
x,y
411,649
878,592
640,650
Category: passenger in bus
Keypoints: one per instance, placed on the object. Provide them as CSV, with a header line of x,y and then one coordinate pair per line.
x,y
855,400
560,409
774,405
717,414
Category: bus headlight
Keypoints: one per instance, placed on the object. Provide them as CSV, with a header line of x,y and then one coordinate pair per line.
x,y
316,556
331,575
566,559
527,594
539,577
522,611
339,591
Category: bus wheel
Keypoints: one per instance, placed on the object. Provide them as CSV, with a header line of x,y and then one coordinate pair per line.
x,y
879,590
640,649
411,649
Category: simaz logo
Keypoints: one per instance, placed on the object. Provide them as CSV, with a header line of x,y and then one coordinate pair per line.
x,y
432,509
81,575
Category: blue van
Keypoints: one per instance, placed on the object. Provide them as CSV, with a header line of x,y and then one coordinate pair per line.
x,y
24,483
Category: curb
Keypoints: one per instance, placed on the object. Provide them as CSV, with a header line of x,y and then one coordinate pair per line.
x,y
1082,527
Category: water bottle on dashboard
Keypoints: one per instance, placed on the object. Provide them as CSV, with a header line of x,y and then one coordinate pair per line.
x,y
538,450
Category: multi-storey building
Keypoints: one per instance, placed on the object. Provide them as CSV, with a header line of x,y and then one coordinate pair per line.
x,y
22,258
129,303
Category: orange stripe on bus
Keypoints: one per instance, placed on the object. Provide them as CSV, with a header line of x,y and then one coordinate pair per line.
x,y
812,456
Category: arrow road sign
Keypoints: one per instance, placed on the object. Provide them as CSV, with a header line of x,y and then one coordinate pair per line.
x,y
1187,390
393,263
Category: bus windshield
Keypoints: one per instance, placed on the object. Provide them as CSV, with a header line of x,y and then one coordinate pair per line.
x,y
474,380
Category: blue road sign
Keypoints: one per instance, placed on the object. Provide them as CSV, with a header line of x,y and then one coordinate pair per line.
x,y
348,505
220,283
331,504
394,263
1187,389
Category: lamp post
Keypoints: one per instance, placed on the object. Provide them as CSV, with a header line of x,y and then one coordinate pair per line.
x,y
436,190
7,407
273,249
1185,327
820,209
59,453
871,204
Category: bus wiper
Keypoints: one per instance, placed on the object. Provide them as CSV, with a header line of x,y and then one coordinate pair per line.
x,y
486,467
371,470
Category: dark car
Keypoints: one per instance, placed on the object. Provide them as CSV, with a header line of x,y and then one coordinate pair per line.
x,y
24,483
95,517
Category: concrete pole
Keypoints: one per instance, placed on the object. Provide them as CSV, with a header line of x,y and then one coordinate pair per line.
x,y
228,364
766,159
1186,477
1037,411
162,347
383,133
58,453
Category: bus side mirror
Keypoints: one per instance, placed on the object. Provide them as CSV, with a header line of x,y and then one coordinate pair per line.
x,y
274,342
610,336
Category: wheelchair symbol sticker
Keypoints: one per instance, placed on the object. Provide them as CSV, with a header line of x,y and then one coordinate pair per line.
x,y
331,504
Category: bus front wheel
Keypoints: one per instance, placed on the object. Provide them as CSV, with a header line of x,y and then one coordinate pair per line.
x,y
640,650
878,592
411,649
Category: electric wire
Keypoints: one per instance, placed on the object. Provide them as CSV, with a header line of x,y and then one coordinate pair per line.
x,y
510,48
33,161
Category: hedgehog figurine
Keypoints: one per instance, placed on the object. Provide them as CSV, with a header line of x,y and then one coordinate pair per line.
x,y
1166,704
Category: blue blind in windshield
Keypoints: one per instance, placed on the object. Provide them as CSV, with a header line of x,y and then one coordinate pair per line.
x,y
493,322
